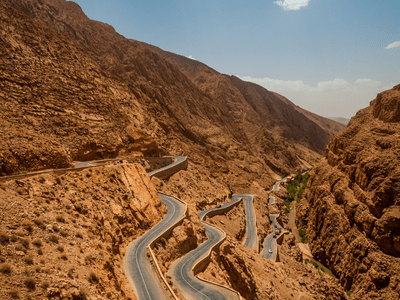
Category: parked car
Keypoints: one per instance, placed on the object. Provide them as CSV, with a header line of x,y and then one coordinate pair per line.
x,y
270,251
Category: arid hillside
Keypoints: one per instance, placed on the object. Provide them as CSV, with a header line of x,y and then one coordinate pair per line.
x,y
146,94
57,105
73,89
63,236
351,207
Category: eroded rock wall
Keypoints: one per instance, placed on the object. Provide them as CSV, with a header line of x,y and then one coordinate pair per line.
x,y
351,207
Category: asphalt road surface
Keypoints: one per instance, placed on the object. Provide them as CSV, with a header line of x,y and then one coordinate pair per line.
x,y
137,265
270,241
188,285
251,239
275,188
178,160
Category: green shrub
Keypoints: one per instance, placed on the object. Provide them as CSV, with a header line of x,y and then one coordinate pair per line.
x,y
286,202
302,234
320,266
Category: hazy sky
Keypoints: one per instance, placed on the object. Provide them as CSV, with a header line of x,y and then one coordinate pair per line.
x,y
328,56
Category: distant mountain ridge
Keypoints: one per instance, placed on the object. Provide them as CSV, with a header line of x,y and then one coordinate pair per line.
x,y
340,120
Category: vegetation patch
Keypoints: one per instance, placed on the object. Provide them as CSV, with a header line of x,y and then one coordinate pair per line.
x,y
320,266
302,234
295,190
297,187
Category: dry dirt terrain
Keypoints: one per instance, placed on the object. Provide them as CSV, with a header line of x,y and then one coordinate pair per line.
x,y
64,236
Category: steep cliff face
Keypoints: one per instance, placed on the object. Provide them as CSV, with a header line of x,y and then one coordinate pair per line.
x,y
256,278
351,207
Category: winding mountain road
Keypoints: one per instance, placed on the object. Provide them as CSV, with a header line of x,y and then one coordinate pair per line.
x,y
178,160
270,241
251,239
138,267
275,188
189,286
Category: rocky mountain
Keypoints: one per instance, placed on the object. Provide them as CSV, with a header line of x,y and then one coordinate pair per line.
x,y
72,89
106,96
351,207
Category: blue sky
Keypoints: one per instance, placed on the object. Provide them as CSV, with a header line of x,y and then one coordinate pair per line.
x,y
328,56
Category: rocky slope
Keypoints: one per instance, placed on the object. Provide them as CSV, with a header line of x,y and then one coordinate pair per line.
x,y
260,279
56,103
147,91
351,207
64,236
73,89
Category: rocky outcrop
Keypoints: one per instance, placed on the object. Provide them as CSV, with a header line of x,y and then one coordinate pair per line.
x,y
68,232
233,222
351,207
257,278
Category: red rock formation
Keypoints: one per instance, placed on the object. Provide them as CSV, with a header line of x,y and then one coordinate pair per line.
x,y
351,207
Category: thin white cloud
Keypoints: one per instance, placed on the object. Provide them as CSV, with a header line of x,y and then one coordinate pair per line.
x,y
393,45
292,4
191,57
333,98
